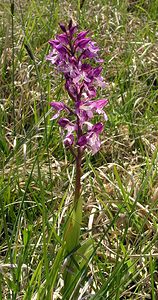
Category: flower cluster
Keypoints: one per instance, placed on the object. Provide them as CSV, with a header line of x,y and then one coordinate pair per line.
x,y
72,54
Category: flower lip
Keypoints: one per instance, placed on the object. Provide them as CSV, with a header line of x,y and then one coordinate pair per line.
x,y
98,128
63,122
82,141
69,140
52,56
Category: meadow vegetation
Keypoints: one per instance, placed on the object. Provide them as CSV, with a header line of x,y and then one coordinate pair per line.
x,y
119,183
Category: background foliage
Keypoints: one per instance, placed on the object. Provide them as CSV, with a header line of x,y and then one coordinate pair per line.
x,y
120,183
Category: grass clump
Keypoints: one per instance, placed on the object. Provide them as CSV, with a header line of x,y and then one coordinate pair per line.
x,y
120,189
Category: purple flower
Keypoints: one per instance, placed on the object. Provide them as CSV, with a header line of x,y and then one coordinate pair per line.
x,y
52,56
58,106
94,106
81,43
72,55
67,125
69,140
70,127
81,35
91,138
63,38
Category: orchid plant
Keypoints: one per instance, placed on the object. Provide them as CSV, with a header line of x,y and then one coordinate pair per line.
x,y
76,56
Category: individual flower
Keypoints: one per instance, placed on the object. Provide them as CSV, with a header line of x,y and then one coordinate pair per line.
x,y
70,128
91,138
94,106
58,106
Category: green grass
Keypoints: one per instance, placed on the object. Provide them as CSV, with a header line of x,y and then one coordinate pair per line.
x,y
120,183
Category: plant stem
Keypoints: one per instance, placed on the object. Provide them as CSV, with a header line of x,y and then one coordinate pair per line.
x,y
78,169
78,177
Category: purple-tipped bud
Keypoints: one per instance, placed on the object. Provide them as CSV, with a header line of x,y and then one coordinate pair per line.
x,y
62,26
82,43
82,35
72,30
70,24
63,38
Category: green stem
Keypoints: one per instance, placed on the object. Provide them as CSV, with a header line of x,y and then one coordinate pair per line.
x,y
78,178
73,227
78,168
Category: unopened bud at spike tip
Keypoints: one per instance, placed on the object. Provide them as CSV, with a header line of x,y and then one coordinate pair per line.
x,y
70,24
62,26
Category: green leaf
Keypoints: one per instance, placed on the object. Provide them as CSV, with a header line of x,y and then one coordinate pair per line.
x,y
73,227
74,267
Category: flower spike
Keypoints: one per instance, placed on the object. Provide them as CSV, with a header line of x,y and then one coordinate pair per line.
x,y
72,55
